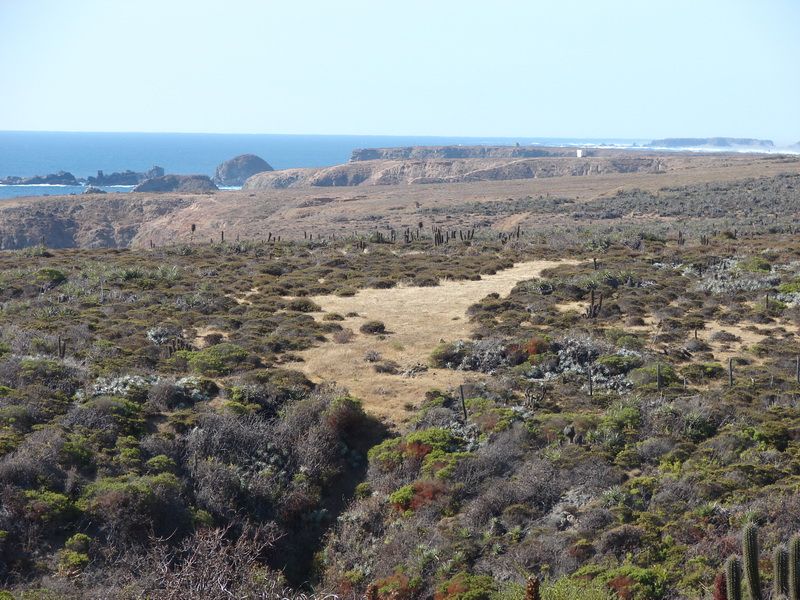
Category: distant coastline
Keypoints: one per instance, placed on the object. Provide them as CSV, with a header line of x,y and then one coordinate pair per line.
x,y
29,154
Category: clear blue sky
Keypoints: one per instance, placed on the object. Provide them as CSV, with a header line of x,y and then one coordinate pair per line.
x,y
519,68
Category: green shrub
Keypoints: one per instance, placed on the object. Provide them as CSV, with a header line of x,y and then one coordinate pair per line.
x,y
562,589
402,497
70,563
77,451
363,490
49,277
447,355
373,328
773,434
303,305
216,361
134,504
647,376
790,287
160,464
78,543
630,342
703,371
52,508
617,364
465,586
755,264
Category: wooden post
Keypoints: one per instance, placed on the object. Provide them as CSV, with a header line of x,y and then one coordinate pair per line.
x,y
463,402
591,383
730,372
797,368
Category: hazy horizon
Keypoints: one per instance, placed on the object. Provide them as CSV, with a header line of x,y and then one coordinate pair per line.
x,y
510,138
618,69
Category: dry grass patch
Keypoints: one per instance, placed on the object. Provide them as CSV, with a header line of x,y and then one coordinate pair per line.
x,y
416,319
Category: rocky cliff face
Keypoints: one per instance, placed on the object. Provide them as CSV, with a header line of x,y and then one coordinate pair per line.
x,y
237,170
177,183
104,221
439,152
401,172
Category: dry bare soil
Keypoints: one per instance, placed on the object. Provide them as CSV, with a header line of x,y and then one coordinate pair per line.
x,y
416,319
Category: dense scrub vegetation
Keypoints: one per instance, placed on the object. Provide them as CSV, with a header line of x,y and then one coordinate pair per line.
x,y
621,419
640,480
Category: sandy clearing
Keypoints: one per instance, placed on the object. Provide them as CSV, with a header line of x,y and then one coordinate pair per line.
x,y
577,306
417,319
202,332
723,351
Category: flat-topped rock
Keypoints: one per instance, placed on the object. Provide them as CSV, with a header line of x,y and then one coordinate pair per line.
x,y
437,152
409,172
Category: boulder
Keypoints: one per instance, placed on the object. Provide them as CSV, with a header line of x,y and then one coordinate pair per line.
x,y
177,183
234,172
93,190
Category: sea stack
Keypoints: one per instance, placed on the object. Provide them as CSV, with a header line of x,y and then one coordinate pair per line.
x,y
234,172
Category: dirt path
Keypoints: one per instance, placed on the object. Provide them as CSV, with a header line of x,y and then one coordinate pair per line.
x,y
417,319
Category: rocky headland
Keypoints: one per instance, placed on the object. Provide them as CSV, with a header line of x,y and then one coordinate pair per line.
x,y
413,171
449,152
60,178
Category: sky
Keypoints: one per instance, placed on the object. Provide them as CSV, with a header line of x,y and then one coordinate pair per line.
x,y
638,69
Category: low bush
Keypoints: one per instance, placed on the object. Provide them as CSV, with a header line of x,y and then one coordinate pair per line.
x,y
373,328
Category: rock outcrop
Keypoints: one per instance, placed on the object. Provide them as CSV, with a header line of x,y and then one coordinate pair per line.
x,y
401,172
450,152
127,177
716,142
237,170
93,190
177,183
60,178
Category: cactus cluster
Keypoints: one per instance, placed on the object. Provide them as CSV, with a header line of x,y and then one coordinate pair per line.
x,y
785,570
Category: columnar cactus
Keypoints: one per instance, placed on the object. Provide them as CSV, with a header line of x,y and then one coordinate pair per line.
x,y
733,577
532,589
780,572
750,553
720,587
794,567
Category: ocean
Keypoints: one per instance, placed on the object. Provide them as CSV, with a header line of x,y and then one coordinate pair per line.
x,y
25,154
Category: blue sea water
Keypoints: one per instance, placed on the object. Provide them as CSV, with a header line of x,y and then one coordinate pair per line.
x,y
25,154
